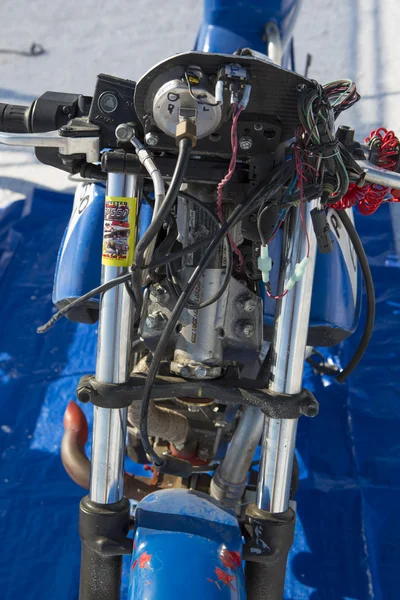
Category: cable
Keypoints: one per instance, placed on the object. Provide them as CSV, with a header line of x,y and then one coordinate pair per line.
x,y
228,177
228,269
184,150
79,301
370,292
198,98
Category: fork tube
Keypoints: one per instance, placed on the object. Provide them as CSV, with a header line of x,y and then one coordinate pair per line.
x,y
288,352
112,366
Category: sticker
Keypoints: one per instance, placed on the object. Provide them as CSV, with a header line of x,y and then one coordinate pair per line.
x,y
119,231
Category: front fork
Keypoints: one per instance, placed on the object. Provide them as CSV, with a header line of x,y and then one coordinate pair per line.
x,y
272,519
105,512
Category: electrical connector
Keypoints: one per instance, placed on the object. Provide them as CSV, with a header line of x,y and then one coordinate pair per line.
x,y
245,97
298,272
264,263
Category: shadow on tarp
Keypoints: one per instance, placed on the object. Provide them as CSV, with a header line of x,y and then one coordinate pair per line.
x,y
347,537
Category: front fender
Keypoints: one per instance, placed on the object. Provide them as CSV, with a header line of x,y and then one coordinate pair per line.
x,y
186,545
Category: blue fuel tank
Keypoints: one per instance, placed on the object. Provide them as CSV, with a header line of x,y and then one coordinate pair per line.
x,y
336,298
78,268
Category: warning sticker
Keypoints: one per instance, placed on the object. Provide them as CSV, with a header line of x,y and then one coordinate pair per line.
x,y
119,231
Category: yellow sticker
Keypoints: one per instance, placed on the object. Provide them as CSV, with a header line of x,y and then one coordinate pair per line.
x,y
119,231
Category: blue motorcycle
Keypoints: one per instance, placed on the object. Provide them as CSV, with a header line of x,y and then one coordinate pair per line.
x,y
212,239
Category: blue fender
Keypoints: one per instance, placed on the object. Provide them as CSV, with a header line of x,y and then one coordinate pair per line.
x,y
186,545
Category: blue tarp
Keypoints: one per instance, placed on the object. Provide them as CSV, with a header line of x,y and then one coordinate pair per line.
x,y
347,536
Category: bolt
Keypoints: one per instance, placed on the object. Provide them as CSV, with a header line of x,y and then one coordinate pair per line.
x,y
245,142
249,305
200,372
84,394
151,138
156,320
184,372
108,102
215,137
258,127
203,453
245,329
124,132
159,294
248,330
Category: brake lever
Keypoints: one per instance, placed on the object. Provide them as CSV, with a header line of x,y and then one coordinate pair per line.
x,y
67,144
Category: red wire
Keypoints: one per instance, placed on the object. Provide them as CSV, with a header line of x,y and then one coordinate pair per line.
x,y
301,177
369,197
228,177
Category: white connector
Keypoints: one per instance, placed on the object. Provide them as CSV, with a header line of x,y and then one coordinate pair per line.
x,y
264,263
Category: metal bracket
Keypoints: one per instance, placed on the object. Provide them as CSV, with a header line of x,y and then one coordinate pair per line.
x,y
245,392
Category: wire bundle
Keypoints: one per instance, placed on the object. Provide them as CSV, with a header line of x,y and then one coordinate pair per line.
x,y
368,198
318,149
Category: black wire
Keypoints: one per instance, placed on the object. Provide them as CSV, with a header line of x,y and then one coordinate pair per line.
x,y
158,355
198,98
184,150
370,292
79,301
158,262
229,266
119,280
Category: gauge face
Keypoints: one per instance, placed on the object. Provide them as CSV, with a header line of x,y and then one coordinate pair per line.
x,y
175,95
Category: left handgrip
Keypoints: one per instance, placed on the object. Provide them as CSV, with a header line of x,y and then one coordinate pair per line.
x,y
15,118
49,112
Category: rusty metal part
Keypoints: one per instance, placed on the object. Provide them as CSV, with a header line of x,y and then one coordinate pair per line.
x,y
186,400
77,464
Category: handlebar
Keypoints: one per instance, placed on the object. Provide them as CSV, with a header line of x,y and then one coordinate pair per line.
x,y
379,176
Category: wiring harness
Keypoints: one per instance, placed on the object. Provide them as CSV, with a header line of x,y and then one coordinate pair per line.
x,y
384,148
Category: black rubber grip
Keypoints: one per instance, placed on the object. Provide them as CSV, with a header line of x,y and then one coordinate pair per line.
x,y
15,118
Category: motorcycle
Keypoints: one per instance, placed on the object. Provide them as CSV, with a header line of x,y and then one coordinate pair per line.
x,y
209,295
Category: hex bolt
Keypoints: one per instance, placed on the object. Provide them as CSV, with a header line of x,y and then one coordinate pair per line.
x,y
124,132
151,138
249,305
159,294
248,330
245,142
156,320
108,102
258,127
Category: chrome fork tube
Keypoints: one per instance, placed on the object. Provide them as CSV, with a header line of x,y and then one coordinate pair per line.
x,y
112,366
288,349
